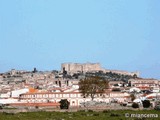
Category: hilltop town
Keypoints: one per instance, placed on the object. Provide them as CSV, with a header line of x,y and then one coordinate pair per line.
x,y
47,88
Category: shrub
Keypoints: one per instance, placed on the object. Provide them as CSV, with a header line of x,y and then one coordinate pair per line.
x,y
36,107
124,104
146,103
132,97
135,105
64,104
114,115
90,110
105,111
116,89
83,114
7,113
96,114
81,110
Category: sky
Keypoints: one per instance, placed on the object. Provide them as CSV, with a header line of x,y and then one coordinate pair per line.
x,y
119,34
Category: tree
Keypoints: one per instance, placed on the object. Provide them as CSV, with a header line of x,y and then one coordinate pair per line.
x,y
134,76
64,104
132,97
135,105
146,103
35,70
93,85
64,73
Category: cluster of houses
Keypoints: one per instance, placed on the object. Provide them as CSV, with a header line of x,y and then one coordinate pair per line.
x,y
49,87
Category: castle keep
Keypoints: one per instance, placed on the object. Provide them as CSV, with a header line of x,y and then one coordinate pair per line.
x,y
91,67
77,67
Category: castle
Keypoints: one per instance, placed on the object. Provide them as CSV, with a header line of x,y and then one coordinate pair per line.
x,y
91,67
77,67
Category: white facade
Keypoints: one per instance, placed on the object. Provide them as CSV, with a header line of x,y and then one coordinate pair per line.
x,y
16,93
75,98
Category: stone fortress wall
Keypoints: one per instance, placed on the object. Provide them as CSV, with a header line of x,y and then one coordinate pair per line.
x,y
91,67
124,72
86,67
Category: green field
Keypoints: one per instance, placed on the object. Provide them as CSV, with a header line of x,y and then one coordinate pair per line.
x,y
80,115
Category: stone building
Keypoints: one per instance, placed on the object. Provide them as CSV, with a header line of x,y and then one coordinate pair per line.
x,y
78,67
74,97
91,67
144,83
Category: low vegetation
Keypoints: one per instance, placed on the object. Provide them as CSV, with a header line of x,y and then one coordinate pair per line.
x,y
80,115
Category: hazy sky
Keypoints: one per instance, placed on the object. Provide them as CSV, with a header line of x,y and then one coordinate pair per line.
x,y
119,34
